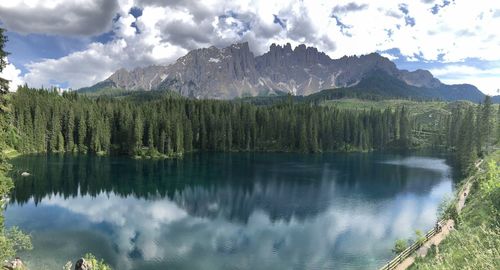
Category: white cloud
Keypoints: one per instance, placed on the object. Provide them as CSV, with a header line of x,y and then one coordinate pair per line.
x,y
389,56
168,29
98,61
11,73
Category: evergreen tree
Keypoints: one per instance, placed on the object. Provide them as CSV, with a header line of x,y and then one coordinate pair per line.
x,y
49,122
4,84
404,127
486,123
138,132
498,126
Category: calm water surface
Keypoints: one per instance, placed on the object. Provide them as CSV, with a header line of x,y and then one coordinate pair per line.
x,y
226,211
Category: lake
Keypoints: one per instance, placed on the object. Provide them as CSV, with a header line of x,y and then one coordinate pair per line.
x,y
226,211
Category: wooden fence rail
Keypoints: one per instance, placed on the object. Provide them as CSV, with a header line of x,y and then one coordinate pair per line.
x,y
409,250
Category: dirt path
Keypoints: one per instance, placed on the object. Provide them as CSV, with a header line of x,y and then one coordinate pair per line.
x,y
447,227
463,195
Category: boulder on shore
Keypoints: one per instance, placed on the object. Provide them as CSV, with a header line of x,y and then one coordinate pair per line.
x,y
81,264
15,264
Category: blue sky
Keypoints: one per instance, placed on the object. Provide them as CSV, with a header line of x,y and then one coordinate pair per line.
x,y
77,43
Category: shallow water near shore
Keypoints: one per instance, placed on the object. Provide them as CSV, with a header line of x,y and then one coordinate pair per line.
x,y
226,211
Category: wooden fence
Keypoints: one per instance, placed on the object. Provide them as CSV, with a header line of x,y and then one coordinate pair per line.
x,y
409,250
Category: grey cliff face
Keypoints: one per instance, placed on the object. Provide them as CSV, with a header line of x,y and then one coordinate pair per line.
x,y
235,72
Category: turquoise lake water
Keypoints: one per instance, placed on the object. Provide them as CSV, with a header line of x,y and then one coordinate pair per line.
x,y
226,211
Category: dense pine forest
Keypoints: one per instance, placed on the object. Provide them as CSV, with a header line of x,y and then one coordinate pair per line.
x,y
167,126
49,122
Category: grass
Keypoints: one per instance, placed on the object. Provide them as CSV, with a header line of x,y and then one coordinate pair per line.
x,y
476,242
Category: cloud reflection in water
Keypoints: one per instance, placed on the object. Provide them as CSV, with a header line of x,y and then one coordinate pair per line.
x,y
267,223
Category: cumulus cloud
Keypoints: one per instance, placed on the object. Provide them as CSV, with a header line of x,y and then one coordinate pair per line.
x,y
167,29
11,73
81,17
98,61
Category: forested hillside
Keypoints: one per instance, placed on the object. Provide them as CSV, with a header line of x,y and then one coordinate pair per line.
x,y
47,121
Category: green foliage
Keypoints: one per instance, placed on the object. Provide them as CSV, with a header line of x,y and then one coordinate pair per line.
x,y
420,237
95,263
476,243
491,181
447,210
169,127
443,208
4,84
432,251
12,240
399,246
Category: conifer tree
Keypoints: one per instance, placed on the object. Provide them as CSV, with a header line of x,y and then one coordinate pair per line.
x,y
4,83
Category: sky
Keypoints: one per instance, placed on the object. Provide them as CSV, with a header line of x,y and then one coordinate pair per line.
x,y
77,43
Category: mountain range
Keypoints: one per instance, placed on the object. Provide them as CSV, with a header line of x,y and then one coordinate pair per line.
x,y
234,72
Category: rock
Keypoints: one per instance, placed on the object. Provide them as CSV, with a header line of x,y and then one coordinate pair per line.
x,y
16,264
234,71
81,264
68,266
25,174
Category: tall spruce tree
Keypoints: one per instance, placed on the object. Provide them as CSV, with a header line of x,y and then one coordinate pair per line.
x,y
486,127
4,83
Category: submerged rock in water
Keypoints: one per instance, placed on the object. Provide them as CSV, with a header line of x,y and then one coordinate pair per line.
x,y
16,264
25,174
81,264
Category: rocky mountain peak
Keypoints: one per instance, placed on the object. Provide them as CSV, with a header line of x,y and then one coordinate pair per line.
x,y
420,78
234,71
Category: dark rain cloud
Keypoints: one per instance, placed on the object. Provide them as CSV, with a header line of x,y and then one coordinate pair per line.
x,y
185,35
69,18
350,7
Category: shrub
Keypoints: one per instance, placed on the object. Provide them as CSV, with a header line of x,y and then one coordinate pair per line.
x,y
399,246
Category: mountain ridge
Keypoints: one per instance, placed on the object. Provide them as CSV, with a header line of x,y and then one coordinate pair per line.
x,y
234,71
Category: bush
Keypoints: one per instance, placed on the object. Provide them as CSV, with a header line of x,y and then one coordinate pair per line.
x,y
432,251
12,241
95,263
420,237
399,246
